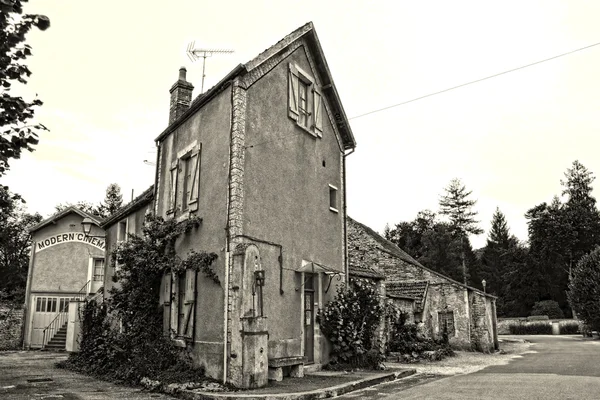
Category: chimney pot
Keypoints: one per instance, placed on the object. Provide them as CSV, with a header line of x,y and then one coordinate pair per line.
x,y
182,72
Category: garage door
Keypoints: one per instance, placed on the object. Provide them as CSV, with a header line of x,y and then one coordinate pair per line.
x,y
46,309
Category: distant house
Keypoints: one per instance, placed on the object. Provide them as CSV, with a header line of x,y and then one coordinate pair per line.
x,y
64,264
428,297
129,219
261,159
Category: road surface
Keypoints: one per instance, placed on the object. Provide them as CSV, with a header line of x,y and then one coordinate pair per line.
x,y
558,367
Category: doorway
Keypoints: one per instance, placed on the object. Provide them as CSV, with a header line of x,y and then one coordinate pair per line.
x,y
309,318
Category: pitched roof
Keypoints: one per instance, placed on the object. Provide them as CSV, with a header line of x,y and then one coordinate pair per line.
x,y
131,207
396,251
307,32
414,290
364,271
55,217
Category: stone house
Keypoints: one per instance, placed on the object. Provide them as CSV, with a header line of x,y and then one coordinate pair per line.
x,y
261,159
428,297
65,264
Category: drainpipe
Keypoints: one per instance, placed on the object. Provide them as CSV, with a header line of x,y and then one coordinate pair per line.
x,y
345,222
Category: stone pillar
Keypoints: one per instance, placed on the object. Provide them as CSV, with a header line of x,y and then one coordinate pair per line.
x,y
255,364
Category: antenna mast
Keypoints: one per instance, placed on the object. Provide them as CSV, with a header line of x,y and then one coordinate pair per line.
x,y
194,54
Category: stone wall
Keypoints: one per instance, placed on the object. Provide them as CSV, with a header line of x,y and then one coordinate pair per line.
x,y
11,327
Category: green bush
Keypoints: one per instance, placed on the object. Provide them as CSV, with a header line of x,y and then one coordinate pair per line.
x,y
123,338
549,308
569,328
406,339
533,328
349,322
584,288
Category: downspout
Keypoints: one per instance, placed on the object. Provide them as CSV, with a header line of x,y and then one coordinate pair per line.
x,y
345,222
156,178
26,325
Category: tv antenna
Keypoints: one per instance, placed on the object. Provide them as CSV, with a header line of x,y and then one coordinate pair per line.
x,y
195,54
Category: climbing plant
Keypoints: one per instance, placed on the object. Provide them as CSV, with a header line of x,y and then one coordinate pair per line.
x,y
123,338
350,321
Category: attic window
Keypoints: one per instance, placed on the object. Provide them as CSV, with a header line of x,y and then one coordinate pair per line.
x,y
304,101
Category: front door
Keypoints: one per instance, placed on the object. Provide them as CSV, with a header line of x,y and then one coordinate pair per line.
x,y
309,320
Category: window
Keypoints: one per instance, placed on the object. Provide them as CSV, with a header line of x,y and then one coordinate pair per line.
x,y
184,182
333,198
305,101
122,231
98,269
446,322
52,304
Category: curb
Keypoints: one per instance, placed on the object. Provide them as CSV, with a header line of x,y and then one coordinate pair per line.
x,y
323,393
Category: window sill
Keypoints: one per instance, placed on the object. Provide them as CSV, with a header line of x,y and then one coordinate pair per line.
x,y
312,133
335,210
179,342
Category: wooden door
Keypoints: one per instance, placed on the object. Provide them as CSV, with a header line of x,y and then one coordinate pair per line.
x,y
309,328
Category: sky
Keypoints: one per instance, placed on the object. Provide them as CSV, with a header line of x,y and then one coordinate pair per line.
x,y
104,69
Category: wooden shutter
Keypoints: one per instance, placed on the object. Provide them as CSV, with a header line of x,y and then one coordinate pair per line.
x,y
318,112
195,189
166,303
189,303
174,172
293,93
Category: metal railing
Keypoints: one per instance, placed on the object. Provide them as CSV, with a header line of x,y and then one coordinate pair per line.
x,y
63,314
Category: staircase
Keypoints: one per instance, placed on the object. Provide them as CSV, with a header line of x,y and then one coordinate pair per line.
x,y
59,340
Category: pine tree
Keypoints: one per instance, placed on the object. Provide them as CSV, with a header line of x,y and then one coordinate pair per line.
x,y
456,205
112,201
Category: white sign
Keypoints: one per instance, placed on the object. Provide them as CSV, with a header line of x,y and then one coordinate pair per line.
x,y
68,237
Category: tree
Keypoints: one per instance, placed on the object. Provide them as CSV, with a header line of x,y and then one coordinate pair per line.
x,y
83,205
434,244
455,204
15,246
16,133
584,288
112,202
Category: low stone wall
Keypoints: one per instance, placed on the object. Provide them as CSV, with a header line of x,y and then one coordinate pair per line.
x,y
11,325
505,323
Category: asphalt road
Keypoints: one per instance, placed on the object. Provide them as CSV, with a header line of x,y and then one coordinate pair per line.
x,y
557,367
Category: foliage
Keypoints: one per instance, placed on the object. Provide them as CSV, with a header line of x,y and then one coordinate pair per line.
x,y
531,328
456,205
584,289
15,245
436,245
112,201
569,327
349,321
125,335
83,205
407,340
547,307
16,133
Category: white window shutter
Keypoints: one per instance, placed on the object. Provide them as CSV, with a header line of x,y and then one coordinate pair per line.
x,y
189,303
293,92
174,304
195,190
318,112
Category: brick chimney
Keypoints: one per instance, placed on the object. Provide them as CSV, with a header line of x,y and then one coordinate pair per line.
x,y
181,96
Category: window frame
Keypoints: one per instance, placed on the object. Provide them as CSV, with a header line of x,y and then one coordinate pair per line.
x,y
310,119
94,274
443,318
333,199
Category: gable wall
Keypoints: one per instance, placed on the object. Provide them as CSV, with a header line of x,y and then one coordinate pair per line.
x,y
63,267
286,197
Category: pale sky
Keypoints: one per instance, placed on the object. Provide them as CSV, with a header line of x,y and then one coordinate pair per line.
x,y
104,69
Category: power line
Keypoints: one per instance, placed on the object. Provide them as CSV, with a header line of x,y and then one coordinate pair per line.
x,y
281,137
475,81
